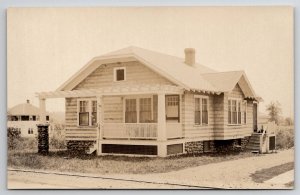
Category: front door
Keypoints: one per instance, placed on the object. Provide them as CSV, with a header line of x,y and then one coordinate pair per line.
x,y
255,117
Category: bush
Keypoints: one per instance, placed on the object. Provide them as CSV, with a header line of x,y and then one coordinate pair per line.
x,y
285,138
13,136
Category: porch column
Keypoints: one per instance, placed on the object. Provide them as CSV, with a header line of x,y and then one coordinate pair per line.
x,y
43,134
100,124
42,110
161,125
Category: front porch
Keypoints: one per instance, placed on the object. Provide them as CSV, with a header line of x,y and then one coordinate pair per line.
x,y
143,116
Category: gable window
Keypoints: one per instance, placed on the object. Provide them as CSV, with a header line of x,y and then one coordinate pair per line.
x,y
87,112
201,110
120,74
234,111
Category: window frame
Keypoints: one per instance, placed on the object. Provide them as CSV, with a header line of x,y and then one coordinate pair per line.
x,y
201,97
238,106
89,111
166,103
137,98
115,73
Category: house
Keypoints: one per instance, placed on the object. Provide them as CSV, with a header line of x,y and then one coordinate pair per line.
x,y
135,101
24,117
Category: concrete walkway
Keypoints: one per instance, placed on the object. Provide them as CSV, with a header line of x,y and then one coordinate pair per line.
x,y
283,178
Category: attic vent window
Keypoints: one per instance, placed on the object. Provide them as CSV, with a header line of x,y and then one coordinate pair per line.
x,y
120,74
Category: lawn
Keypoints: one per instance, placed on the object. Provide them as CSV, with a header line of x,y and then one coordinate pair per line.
x,y
67,162
266,174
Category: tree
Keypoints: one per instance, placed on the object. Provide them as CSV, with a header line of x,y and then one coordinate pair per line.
x,y
289,121
274,110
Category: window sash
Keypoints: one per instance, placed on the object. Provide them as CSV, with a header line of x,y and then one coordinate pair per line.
x,y
201,111
234,112
87,112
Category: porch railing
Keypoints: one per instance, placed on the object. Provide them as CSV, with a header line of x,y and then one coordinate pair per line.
x,y
130,130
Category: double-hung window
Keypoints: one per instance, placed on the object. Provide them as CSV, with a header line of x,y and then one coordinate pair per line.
x,y
201,110
234,111
87,112
139,110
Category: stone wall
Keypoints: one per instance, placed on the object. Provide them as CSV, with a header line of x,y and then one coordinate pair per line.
x,y
194,147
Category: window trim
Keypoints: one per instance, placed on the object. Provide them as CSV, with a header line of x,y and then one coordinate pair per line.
x,y
115,73
137,98
201,97
238,100
90,111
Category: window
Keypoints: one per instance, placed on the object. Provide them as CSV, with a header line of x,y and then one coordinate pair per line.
x,y
119,74
234,111
139,110
94,113
145,110
130,111
30,131
245,112
47,118
201,110
172,107
25,118
87,112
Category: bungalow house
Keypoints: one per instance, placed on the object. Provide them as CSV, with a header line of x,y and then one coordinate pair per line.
x,y
135,101
24,117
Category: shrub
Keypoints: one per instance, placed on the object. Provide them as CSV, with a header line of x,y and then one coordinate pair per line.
x,y
285,138
13,136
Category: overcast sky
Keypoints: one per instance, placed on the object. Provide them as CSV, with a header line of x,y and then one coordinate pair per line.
x,y
47,46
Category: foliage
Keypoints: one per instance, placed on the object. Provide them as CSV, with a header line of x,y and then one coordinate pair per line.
x,y
274,111
13,136
285,137
289,121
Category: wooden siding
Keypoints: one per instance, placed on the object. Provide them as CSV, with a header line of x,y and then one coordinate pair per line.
x,y
136,73
73,132
241,130
190,130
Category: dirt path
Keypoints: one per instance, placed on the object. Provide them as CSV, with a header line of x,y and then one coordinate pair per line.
x,y
233,174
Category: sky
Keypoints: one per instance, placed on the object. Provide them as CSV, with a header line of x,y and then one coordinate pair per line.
x,y
46,46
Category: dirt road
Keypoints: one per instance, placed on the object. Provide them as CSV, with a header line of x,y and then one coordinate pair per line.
x,y
233,174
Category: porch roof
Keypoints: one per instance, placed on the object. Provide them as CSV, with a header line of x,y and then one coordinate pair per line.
x,y
115,90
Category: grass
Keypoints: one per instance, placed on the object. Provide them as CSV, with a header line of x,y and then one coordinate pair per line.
x,y
269,173
71,162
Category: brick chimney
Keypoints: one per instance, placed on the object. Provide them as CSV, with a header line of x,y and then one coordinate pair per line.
x,y
189,56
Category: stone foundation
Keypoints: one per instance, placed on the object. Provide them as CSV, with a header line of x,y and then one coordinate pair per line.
x,y
79,145
194,147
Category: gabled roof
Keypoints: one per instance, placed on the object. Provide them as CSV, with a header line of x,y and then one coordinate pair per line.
x,y
226,81
197,77
24,109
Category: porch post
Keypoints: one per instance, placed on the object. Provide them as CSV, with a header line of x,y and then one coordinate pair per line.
x,y
42,111
100,124
161,125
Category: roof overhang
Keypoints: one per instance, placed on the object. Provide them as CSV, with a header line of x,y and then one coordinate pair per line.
x,y
111,91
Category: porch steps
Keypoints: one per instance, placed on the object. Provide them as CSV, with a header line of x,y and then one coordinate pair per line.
x,y
254,143
92,149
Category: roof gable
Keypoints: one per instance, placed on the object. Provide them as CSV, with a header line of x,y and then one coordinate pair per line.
x,y
170,67
226,81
